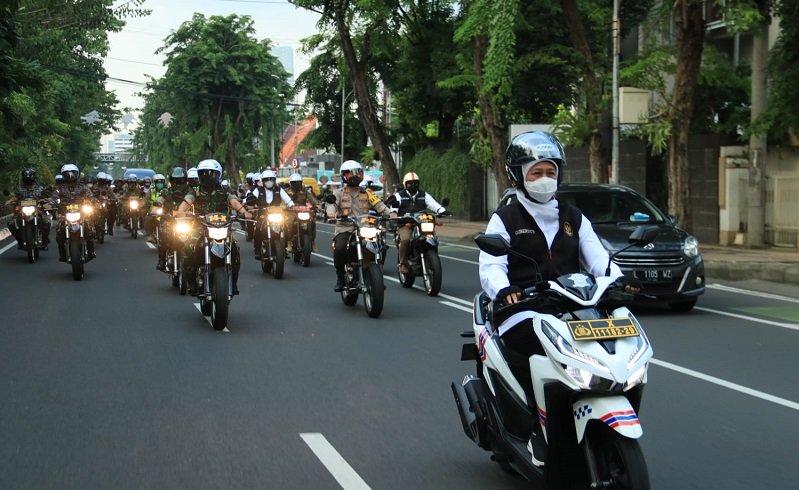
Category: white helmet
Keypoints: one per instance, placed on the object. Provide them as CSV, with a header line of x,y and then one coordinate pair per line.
x,y
354,170
269,174
225,183
210,173
70,172
191,173
295,178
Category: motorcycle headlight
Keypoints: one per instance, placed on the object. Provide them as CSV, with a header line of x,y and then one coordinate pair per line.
x,y
304,215
217,233
275,218
73,217
690,247
368,232
134,204
182,228
28,210
159,211
427,227
86,209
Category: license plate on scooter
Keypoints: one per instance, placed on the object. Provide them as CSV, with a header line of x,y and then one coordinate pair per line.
x,y
606,328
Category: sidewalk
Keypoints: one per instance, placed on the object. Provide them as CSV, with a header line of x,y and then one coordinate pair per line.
x,y
728,263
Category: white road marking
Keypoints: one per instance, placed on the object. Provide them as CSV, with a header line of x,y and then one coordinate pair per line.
x,y
208,319
457,306
150,244
726,384
789,326
335,464
4,249
459,260
722,287
459,245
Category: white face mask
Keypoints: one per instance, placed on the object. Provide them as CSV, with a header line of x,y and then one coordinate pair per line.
x,y
541,189
259,184
269,184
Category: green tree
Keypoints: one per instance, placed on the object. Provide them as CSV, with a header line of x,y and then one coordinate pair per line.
x,y
224,90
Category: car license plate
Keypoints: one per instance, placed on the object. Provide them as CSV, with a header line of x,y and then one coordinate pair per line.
x,y
654,275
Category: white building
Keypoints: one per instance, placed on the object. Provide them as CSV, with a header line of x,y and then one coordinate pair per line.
x,y
285,54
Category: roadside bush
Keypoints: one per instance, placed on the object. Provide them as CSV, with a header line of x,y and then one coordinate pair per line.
x,y
443,174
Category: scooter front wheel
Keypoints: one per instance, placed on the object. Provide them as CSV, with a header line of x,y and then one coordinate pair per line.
x,y
617,458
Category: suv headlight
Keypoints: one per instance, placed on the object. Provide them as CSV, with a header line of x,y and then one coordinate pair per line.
x,y
690,247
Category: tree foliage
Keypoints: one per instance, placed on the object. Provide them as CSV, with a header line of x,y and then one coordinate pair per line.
x,y
224,90
51,74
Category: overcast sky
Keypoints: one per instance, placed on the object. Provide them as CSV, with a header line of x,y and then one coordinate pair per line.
x,y
132,54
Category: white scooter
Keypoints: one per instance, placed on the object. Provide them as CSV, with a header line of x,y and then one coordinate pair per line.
x,y
586,388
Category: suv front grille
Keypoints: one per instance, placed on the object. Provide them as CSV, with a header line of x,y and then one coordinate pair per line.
x,y
654,261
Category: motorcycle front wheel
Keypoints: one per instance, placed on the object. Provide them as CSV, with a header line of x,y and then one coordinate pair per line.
x,y
134,228
76,257
349,296
406,280
618,458
184,283
220,302
432,276
266,259
100,232
279,258
306,250
375,290
30,243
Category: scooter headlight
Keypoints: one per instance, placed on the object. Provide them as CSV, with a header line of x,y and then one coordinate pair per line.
x,y
28,210
275,218
368,233
73,217
134,204
87,209
565,348
427,227
217,233
304,215
636,378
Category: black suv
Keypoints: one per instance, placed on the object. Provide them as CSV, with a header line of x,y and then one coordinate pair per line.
x,y
671,268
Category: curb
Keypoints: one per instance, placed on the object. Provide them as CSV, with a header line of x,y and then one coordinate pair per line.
x,y
783,272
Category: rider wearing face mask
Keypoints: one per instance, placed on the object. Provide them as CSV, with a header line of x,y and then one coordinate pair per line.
x,y
268,195
557,235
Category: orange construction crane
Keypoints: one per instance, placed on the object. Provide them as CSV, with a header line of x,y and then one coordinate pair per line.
x,y
294,138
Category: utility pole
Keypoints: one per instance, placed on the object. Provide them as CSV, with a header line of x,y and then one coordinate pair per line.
x,y
756,188
614,153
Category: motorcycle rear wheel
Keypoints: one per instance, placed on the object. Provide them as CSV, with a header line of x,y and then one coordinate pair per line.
x,y
30,243
279,258
220,302
618,458
375,291
99,231
76,257
134,229
406,280
432,279
184,284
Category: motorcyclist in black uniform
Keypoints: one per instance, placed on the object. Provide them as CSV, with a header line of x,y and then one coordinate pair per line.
x,y
170,199
270,194
105,194
70,191
209,198
301,197
29,189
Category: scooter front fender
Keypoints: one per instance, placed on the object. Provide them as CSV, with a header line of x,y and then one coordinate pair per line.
x,y
614,411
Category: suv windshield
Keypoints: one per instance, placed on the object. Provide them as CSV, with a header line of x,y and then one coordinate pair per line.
x,y
610,207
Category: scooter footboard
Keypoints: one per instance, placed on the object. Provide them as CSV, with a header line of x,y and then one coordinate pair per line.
x,y
614,411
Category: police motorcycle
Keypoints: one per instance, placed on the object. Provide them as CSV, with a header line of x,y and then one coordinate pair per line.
x,y
423,259
215,274
31,212
135,205
586,389
157,215
100,217
77,217
302,241
271,220
362,272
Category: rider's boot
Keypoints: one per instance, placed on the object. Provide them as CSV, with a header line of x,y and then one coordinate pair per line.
x,y
339,282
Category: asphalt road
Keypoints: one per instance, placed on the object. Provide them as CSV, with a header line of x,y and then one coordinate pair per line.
x,y
116,381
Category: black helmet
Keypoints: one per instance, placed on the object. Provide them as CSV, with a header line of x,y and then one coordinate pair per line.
x,y
533,147
29,176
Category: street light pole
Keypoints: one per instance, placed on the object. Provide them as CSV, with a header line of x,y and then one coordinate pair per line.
x,y
342,121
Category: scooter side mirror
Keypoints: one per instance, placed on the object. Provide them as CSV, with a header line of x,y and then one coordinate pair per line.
x,y
492,244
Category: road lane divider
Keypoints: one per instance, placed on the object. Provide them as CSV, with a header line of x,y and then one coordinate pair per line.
x,y
730,289
208,319
4,249
789,326
727,384
334,462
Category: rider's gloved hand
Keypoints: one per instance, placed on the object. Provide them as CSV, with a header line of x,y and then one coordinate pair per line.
x,y
330,199
510,295
445,213
630,284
